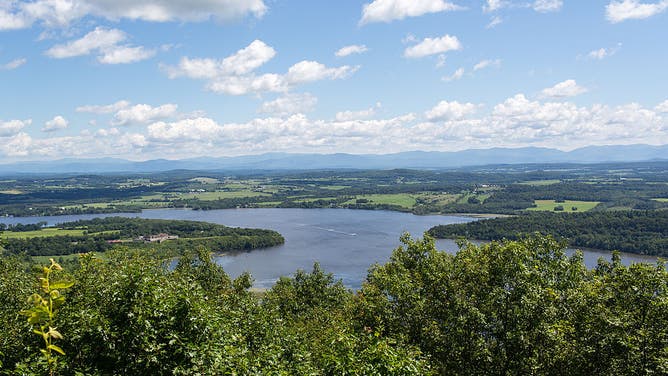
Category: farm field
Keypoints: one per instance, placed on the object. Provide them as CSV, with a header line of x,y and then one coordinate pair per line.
x,y
487,190
47,232
463,199
538,183
403,200
567,205
219,195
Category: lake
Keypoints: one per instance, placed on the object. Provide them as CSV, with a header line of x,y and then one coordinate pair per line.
x,y
345,242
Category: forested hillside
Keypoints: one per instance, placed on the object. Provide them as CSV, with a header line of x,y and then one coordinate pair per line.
x,y
643,232
513,308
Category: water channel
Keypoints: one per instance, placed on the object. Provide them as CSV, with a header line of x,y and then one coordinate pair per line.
x,y
345,242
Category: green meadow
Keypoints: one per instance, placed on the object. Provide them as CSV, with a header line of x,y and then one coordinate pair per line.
x,y
568,205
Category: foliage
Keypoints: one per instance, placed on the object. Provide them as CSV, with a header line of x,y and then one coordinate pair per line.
x,y
520,307
644,232
98,232
16,284
504,308
41,316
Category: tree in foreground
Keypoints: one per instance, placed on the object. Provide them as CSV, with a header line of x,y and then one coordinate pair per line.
x,y
503,308
520,307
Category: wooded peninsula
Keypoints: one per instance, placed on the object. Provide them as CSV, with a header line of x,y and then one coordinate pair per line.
x,y
103,234
642,232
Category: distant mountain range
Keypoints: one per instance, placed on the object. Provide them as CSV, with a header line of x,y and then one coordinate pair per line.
x,y
288,161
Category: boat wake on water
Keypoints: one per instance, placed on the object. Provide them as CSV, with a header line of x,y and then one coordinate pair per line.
x,y
335,231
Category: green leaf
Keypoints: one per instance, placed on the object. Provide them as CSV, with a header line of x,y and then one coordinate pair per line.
x,y
54,333
62,285
56,349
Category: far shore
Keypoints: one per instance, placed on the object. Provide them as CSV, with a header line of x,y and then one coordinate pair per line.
x,y
471,215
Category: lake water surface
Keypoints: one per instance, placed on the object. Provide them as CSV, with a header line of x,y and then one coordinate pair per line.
x,y
345,242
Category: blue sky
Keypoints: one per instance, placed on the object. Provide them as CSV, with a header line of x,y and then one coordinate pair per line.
x,y
179,79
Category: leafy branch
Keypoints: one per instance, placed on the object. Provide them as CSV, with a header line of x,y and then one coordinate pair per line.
x,y
42,314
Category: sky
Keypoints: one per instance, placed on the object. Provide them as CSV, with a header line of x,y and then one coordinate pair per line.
x,y
178,79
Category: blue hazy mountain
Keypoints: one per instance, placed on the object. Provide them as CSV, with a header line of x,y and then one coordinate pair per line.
x,y
292,161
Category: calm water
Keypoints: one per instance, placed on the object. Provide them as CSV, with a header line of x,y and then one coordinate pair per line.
x,y
344,241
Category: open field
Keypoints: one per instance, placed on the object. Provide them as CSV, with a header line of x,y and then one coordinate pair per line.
x,y
205,180
91,205
313,199
487,190
335,187
210,196
40,234
463,199
399,199
568,205
437,198
538,183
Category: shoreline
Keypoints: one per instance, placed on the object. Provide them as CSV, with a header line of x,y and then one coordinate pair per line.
x,y
470,215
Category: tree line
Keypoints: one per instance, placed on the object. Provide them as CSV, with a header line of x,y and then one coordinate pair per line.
x,y
643,232
99,231
20,227
505,308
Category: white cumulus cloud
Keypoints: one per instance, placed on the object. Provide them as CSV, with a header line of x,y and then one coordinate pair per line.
x,y
104,109
235,74
55,124
13,21
390,10
244,61
187,129
662,107
352,49
454,110
309,71
106,44
125,55
544,6
618,11
13,127
568,88
143,114
289,104
357,115
17,145
61,13
494,5
177,10
433,46
98,39
449,125
541,6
